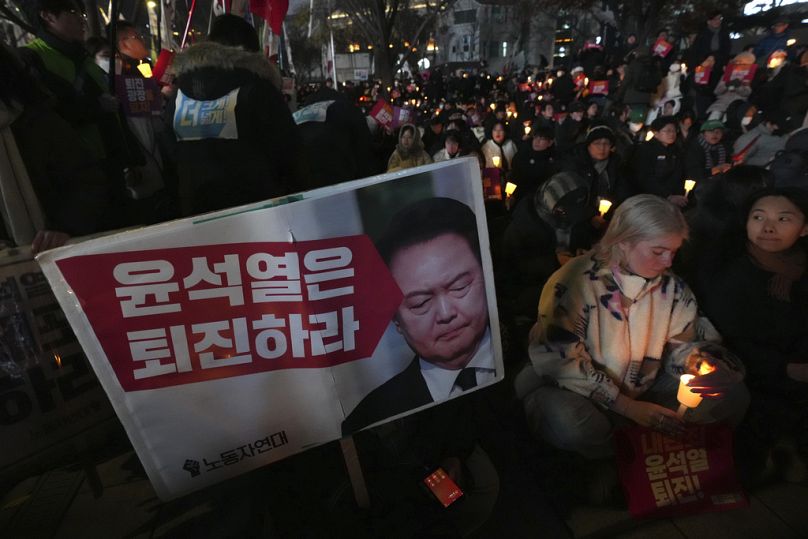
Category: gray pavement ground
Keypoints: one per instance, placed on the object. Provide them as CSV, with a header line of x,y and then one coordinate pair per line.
x,y
61,503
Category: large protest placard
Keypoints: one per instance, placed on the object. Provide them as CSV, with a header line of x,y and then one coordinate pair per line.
x,y
48,394
238,338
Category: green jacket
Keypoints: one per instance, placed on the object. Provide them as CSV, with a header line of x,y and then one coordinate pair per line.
x,y
77,88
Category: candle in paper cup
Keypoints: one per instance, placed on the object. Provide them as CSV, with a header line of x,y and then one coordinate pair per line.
x,y
496,160
686,396
604,206
510,188
689,185
527,130
145,70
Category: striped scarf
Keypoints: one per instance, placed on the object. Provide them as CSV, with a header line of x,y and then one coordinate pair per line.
x,y
708,148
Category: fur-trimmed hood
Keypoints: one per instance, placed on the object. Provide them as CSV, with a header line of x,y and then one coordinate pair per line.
x,y
207,69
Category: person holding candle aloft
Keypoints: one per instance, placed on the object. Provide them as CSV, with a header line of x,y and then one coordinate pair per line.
x,y
758,299
615,330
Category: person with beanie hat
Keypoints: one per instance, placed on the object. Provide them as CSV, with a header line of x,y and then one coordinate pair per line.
x,y
595,160
548,227
708,155
657,166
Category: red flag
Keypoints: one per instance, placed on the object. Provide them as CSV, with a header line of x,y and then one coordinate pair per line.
x,y
272,11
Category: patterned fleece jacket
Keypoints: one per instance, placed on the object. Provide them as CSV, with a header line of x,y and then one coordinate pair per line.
x,y
603,332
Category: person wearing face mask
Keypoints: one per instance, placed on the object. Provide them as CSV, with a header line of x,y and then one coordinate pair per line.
x,y
549,227
657,164
759,146
615,329
499,145
758,299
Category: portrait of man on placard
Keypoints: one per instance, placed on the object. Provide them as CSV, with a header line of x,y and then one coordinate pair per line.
x,y
433,252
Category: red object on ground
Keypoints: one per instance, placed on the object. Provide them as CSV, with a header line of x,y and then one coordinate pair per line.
x,y
666,477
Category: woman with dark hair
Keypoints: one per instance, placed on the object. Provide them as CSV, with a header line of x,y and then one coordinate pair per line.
x,y
713,217
758,299
499,146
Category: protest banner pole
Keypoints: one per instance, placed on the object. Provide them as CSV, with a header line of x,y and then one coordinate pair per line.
x,y
355,474
188,24
113,42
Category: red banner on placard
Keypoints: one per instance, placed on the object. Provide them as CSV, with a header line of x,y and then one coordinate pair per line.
x,y
701,75
664,477
161,72
599,87
741,72
382,112
169,317
662,48
492,183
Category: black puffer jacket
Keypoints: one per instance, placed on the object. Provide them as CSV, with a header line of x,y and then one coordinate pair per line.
x,y
658,169
236,140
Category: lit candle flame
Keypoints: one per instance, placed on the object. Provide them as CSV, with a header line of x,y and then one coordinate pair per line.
x,y
689,185
705,368
496,160
58,359
604,206
510,188
685,395
527,130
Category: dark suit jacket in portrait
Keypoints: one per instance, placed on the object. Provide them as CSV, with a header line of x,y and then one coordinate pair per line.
x,y
402,392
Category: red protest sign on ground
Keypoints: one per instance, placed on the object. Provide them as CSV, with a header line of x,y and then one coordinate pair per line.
x,y
664,477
